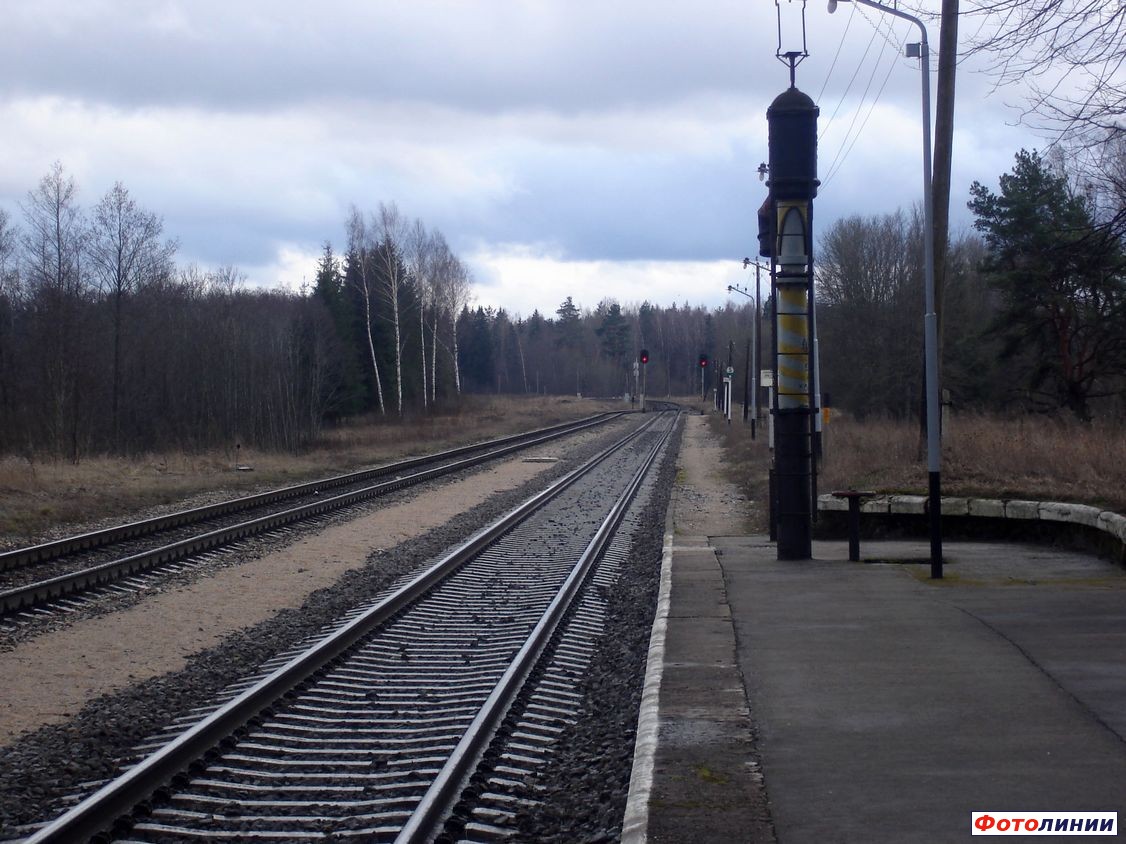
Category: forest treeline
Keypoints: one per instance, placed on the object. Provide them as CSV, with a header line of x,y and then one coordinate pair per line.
x,y
107,346
1033,310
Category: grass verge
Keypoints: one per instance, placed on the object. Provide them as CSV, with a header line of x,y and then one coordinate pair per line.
x,y
1030,457
43,497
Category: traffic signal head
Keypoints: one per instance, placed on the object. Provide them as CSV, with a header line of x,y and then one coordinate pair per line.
x,y
644,357
703,361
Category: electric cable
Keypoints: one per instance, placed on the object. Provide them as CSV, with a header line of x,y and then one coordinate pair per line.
x,y
856,137
848,87
837,55
860,106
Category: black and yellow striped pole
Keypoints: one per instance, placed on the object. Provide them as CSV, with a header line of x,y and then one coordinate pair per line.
x,y
792,120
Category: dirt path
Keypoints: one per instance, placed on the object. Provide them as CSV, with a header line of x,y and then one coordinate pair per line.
x,y
704,502
48,679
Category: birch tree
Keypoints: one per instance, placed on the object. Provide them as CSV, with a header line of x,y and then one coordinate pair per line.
x,y
425,256
391,229
364,281
444,267
457,292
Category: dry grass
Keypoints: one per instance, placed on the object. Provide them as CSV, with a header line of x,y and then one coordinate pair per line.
x,y
41,497
983,456
1039,458
1031,457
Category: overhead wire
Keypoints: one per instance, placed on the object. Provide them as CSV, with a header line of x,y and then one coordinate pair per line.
x,y
885,26
887,32
877,29
833,170
848,87
837,55
859,108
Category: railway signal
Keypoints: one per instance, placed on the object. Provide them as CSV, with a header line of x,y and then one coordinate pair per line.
x,y
643,357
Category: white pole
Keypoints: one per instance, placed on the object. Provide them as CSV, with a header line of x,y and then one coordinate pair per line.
x,y
930,317
770,398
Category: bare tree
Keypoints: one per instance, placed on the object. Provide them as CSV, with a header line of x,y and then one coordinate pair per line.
x,y
1069,52
226,279
424,257
53,242
8,272
391,231
359,246
457,294
126,251
870,274
9,302
444,264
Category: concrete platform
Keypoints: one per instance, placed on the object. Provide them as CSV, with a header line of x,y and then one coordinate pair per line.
x,y
824,700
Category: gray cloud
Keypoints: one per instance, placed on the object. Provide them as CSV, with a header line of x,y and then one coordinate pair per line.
x,y
623,131
484,55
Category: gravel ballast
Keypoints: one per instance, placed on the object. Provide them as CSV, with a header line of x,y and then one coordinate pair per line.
x,y
43,767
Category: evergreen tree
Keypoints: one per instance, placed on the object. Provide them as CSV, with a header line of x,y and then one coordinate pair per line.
x,y
478,367
613,332
570,324
570,339
330,289
1061,283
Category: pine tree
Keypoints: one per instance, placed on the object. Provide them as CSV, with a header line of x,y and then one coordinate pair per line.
x,y
330,289
1061,281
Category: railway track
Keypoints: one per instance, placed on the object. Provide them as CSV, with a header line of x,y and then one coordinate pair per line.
x,y
459,676
49,577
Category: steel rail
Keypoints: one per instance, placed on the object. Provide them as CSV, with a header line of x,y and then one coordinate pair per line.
x,y
20,557
101,810
438,803
23,597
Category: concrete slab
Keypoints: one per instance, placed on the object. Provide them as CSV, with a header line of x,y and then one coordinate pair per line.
x,y
872,704
889,708
681,688
915,504
1022,509
696,640
987,508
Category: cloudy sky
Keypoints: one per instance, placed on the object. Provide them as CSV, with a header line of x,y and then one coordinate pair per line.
x,y
564,147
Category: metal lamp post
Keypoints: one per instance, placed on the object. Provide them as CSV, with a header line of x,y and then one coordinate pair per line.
x,y
756,362
930,318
